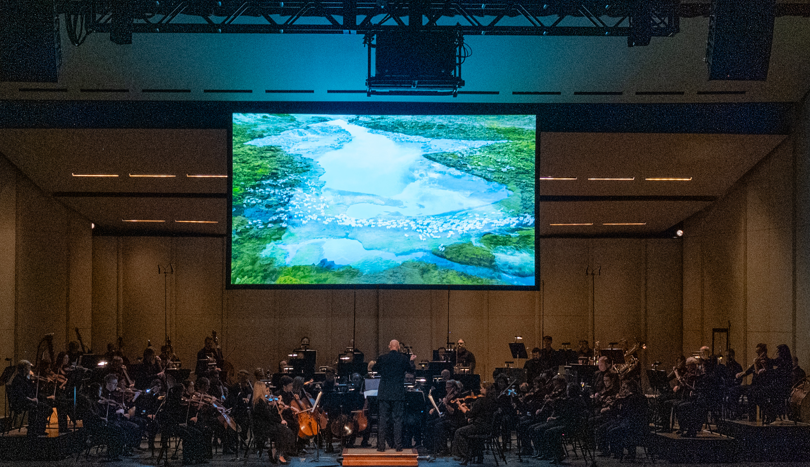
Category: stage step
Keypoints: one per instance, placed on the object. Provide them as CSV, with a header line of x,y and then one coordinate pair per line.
x,y
782,440
707,447
370,456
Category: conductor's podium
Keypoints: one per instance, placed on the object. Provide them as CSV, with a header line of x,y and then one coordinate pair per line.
x,y
370,456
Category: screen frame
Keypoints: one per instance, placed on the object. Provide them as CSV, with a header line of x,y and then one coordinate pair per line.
x,y
389,108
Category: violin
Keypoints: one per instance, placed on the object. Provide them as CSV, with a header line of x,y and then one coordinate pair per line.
x,y
223,414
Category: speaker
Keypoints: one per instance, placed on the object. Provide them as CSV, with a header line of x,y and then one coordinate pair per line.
x,y
424,55
29,41
740,36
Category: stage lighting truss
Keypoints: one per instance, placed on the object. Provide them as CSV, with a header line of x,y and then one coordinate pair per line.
x,y
623,18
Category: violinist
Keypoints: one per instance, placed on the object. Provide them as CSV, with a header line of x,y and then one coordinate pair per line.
x,y
547,416
479,419
204,416
691,410
758,389
116,413
668,399
568,417
630,427
172,420
269,425
507,402
94,416
147,406
530,403
22,395
241,396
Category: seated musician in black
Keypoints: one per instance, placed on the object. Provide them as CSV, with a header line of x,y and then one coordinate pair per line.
x,y
288,413
631,426
442,424
413,420
173,422
22,396
355,401
692,408
146,407
204,416
269,425
240,397
548,416
151,369
94,416
209,358
569,416
758,391
479,421
530,404
117,412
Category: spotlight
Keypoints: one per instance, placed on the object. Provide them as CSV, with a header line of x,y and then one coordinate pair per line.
x,y
679,233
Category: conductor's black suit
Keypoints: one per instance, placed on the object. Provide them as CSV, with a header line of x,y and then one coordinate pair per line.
x,y
391,394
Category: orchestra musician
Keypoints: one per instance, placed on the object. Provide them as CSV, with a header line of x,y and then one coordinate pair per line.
x,y
464,358
151,369
241,398
119,412
443,423
568,417
630,426
167,355
288,412
63,397
758,390
479,420
22,395
268,423
391,393
94,419
173,422
691,410
117,368
533,366
209,358
414,415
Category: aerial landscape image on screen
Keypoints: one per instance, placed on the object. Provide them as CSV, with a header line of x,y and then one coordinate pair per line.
x,y
436,200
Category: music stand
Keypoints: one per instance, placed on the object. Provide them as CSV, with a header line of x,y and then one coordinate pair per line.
x,y
658,380
518,350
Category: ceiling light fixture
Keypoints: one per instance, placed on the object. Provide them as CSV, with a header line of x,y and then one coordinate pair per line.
x,y
668,179
557,178
196,222
572,224
143,220
205,176
624,223
152,176
96,175
612,179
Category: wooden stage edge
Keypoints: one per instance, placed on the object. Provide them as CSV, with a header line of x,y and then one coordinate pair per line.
x,y
370,456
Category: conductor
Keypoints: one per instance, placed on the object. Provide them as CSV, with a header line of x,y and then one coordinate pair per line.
x,y
391,393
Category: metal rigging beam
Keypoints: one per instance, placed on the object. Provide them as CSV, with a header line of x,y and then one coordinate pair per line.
x,y
500,17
